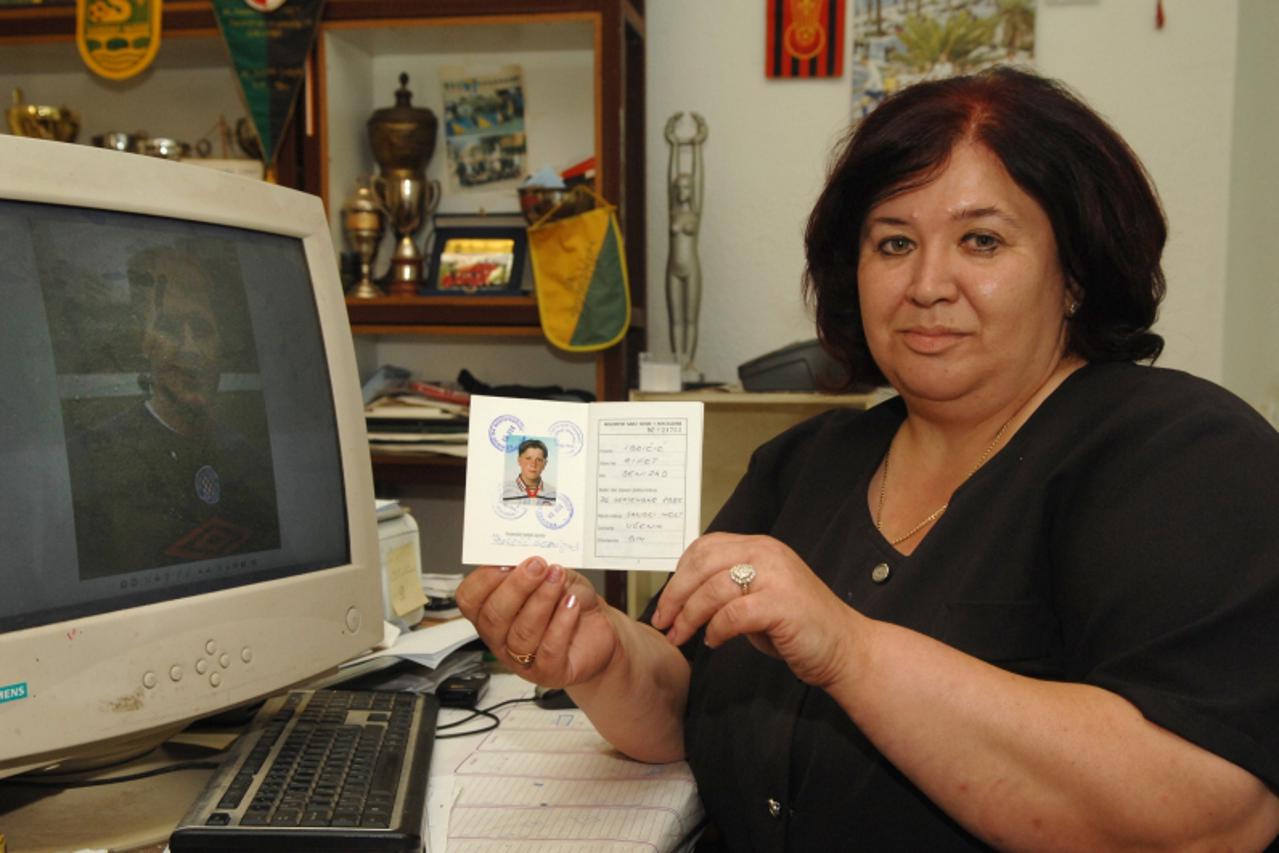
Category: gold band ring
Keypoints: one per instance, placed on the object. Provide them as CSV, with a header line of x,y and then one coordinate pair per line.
x,y
522,660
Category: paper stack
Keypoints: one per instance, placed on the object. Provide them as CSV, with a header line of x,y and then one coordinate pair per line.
x,y
406,415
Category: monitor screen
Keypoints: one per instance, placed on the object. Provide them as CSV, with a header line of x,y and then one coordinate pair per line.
x,y
186,501
176,411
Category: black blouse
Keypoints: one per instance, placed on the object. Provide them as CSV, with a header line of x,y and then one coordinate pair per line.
x,y
1124,537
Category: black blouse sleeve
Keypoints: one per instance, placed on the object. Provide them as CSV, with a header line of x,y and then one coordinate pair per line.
x,y
1166,553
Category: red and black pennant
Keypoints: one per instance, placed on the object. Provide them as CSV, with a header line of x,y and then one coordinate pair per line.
x,y
805,38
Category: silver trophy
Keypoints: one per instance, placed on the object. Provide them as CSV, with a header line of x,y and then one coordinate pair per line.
x,y
409,199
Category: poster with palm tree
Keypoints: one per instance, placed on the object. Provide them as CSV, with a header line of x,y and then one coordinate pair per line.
x,y
899,42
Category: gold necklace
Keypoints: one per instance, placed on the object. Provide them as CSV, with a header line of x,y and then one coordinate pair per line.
x,y
935,514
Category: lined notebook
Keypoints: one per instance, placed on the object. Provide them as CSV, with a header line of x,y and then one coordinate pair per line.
x,y
547,782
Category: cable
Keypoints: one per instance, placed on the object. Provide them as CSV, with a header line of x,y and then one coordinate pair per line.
x,y
497,721
478,712
132,777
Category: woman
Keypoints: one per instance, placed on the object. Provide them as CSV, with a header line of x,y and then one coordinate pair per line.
x,y
1030,603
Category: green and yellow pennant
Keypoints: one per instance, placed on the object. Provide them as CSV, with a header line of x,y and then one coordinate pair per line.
x,y
579,272
117,39
268,43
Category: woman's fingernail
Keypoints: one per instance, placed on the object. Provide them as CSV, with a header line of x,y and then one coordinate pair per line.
x,y
554,575
504,568
535,568
657,616
571,603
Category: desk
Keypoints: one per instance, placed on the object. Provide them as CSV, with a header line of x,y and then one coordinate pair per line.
x,y
533,783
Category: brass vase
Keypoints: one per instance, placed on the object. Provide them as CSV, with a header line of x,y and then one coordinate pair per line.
x,y
403,140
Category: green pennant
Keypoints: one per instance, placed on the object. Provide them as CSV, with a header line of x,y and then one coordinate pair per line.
x,y
269,52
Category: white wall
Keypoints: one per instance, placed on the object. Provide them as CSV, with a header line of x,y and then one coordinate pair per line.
x,y
1170,92
1252,264
765,161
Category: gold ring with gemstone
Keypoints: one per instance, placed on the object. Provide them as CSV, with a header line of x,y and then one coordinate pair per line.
x,y
742,574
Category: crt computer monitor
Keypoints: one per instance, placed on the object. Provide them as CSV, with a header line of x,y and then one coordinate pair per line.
x,y
186,501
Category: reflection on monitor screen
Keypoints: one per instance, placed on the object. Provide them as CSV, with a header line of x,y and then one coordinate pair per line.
x,y
186,518
181,469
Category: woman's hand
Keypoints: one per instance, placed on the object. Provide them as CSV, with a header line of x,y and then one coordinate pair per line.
x,y
543,620
788,613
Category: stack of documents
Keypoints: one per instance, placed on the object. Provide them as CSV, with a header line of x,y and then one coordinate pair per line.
x,y
427,646
412,423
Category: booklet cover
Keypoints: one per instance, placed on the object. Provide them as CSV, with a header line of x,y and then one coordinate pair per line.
x,y
585,485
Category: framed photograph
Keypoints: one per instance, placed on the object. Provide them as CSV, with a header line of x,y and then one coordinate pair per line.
x,y
477,259
484,136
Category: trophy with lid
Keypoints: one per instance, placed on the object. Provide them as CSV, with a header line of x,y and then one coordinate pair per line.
x,y
403,140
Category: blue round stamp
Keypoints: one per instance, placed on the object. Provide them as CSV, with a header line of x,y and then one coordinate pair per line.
x,y
208,487
556,515
508,510
501,427
568,437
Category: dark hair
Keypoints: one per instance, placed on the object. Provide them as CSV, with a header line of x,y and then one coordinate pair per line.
x,y
1105,215
532,442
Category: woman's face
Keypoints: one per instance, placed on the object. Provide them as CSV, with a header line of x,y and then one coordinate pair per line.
x,y
532,462
960,288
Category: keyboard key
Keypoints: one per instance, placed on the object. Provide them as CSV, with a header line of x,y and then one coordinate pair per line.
x,y
317,817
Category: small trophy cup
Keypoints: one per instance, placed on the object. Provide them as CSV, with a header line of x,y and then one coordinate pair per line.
x,y
363,220
42,122
403,140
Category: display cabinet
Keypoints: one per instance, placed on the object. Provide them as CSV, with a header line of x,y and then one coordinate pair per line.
x,y
583,67
582,63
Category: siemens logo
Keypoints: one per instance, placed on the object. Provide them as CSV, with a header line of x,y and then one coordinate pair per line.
x,y
13,692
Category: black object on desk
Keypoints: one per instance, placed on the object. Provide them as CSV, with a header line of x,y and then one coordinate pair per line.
x,y
321,770
553,698
802,366
463,690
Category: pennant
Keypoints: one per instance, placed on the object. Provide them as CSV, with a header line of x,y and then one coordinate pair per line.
x,y
117,39
805,38
269,54
579,274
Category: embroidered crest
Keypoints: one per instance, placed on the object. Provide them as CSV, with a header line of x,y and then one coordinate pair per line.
x,y
208,487
117,39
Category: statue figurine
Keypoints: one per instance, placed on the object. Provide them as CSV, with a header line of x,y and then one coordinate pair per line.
x,y
683,270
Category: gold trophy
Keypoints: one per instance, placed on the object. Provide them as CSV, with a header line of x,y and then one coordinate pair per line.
x,y
57,123
363,220
403,140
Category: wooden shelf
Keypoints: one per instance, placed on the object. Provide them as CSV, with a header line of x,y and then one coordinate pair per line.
x,y
56,18
511,313
57,21
453,316
431,468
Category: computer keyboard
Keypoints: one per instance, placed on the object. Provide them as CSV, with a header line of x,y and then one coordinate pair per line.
x,y
321,770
